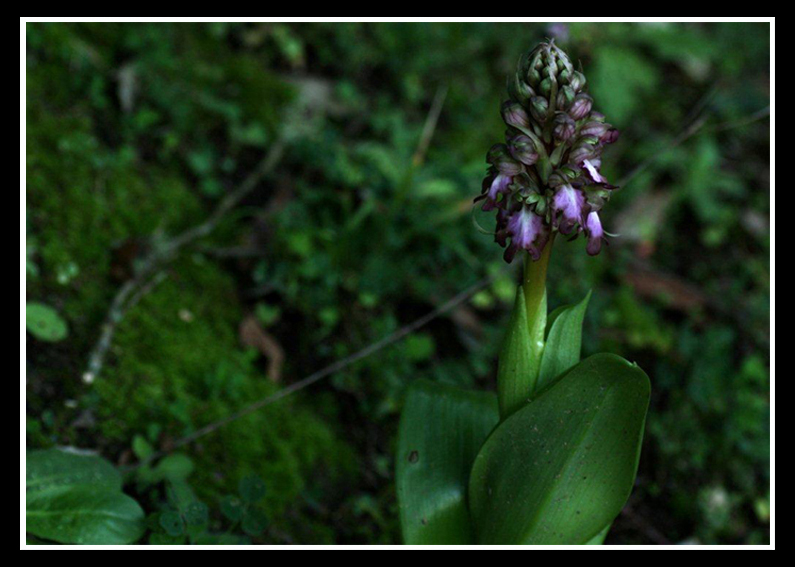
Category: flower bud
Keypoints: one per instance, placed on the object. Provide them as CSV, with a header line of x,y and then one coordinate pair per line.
x,y
538,108
580,153
522,148
563,127
577,81
609,137
519,90
594,129
581,106
500,158
515,115
565,97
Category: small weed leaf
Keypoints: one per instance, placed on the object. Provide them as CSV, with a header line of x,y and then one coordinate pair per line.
x,y
172,523
44,323
232,508
252,489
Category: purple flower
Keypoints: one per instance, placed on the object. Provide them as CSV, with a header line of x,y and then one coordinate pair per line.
x,y
592,167
527,231
499,184
593,228
569,202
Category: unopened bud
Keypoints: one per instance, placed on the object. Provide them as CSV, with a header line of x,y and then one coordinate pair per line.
x,y
515,115
538,108
500,157
564,127
523,149
581,106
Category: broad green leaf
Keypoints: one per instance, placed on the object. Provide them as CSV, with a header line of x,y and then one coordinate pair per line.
x,y
563,343
599,538
57,468
77,498
441,430
83,514
518,368
561,468
44,323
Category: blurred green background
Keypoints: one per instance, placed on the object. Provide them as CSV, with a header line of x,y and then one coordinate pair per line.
x,y
135,132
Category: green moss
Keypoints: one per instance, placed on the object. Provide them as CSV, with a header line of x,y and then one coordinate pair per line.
x,y
178,365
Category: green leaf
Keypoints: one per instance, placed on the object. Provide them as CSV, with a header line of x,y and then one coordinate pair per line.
x,y
196,513
561,468
44,323
55,468
563,343
172,523
254,522
232,508
518,368
77,498
175,468
599,538
141,447
83,514
252,489
441,431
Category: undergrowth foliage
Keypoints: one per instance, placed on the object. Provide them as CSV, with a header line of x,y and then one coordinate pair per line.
x,y
134,133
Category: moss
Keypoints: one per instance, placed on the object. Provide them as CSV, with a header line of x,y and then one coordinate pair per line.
x,y
175,360
177,364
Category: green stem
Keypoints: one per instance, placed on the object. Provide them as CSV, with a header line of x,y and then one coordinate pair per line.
x,y
534,285
520,358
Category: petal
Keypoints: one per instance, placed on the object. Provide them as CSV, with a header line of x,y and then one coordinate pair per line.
x,y
593,227
593,171
528,231
569,202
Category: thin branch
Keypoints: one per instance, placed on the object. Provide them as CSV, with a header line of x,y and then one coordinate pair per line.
x,y
335,367
128,294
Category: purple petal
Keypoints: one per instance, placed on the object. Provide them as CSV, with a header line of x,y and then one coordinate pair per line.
x,y
569,202
528,231
593,227
593,171
498,185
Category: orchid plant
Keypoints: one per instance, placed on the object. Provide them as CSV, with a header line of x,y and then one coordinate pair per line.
x,y
552,457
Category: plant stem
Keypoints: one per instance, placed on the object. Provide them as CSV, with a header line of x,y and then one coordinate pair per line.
x,y
534,286
520,358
